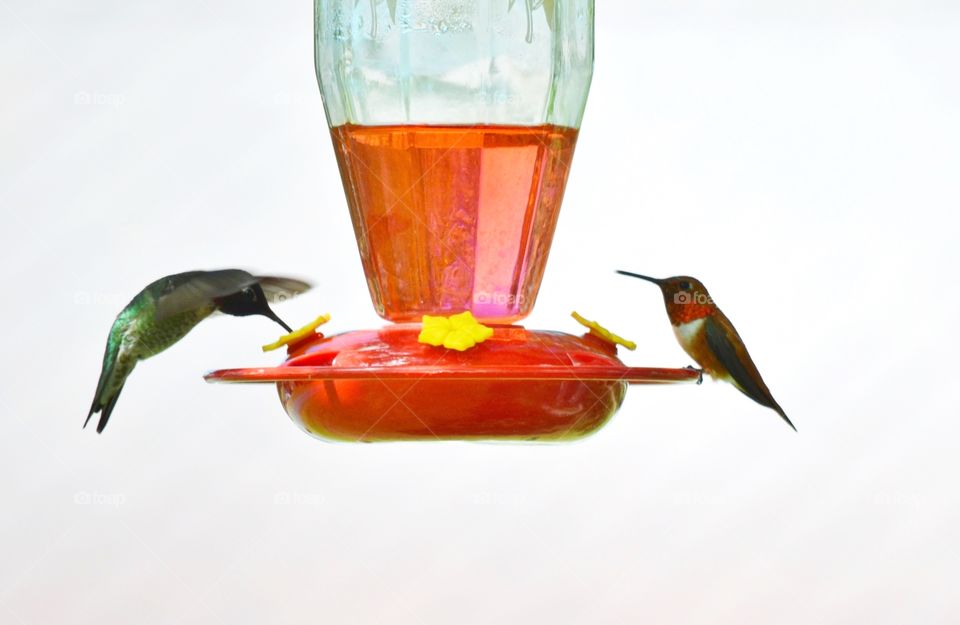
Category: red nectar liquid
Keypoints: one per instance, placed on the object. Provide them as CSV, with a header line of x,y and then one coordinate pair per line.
x,y
454,218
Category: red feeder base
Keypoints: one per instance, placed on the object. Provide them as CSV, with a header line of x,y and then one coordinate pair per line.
x,y
383,385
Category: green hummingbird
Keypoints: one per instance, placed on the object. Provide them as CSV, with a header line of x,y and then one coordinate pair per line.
x,y
167,309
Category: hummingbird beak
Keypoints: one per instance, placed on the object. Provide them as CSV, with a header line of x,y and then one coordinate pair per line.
x,y
272,315
642,277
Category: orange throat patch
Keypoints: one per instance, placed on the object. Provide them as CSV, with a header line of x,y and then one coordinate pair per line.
x,y
685,311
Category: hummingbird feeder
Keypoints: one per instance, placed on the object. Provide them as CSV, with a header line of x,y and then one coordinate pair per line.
x,y
454,126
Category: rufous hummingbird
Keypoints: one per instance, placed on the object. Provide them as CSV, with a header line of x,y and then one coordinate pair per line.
x,y
709,338
167,309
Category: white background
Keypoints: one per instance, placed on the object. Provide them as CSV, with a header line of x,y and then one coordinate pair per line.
x,y
800,158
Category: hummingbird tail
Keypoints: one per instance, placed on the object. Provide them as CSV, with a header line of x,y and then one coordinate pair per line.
x,y
784,416
766,399
107,410
104,409
93,409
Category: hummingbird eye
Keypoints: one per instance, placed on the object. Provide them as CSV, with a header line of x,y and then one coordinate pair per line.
x,y
684,285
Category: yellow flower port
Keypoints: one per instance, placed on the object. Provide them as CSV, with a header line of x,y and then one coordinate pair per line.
x,y
297,335
459,332
599,331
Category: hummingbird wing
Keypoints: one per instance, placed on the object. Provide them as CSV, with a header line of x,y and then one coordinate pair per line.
x,y
183,292
279,289
196,289
728,348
